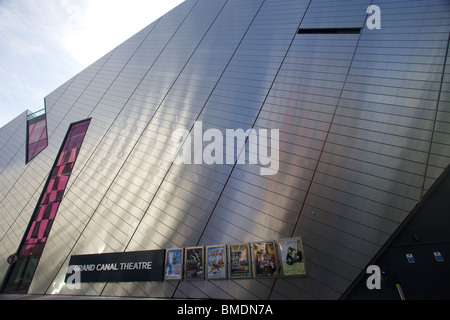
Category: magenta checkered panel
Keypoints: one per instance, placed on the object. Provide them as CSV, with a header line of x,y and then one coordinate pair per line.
x,y
45,212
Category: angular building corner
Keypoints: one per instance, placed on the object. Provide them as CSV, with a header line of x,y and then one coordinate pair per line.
x,y
362,116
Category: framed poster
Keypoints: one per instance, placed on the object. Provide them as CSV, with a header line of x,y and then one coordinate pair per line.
x,y
174,264
216,262
292,257
193,263
265,261
239,257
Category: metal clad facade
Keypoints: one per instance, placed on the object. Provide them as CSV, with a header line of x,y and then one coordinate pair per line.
x,y
363,133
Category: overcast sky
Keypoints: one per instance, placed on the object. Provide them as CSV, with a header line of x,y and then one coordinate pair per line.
x,y
43,43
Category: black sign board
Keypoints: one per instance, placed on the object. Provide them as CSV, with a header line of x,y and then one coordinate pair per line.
x,y
118,266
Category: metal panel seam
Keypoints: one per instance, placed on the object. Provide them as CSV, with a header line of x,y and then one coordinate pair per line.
x,y
328,131
75,178
435,118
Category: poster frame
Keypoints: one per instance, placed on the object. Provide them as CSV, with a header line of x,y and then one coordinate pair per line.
x,y
224,274
174,278
274,260
281,252
249,260
187,276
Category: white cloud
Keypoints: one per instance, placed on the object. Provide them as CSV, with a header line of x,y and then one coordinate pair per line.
x,y
43,43
101,25
31,63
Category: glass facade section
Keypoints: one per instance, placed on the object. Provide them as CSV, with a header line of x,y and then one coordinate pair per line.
x,y
36,134
39,228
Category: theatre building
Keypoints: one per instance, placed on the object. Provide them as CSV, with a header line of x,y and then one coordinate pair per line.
x,y
257,149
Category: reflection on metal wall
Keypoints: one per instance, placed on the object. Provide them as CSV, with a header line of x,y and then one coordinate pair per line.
x,y
362,121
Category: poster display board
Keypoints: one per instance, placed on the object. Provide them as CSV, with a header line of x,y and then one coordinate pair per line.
x,y
239,257
260,259
265,261
292,257
194,263
174,264
216,262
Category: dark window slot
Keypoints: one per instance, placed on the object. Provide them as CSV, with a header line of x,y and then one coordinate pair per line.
x,y
329,30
